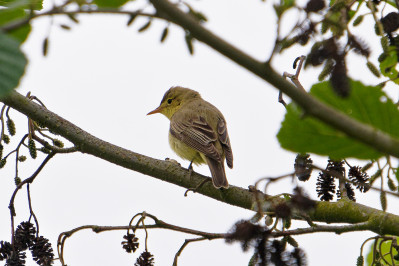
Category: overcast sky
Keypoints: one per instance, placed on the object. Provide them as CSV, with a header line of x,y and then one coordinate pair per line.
x,y
105,77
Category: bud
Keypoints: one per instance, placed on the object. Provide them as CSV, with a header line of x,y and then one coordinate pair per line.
x,y
164,34
268,220
383,200
58,143
373,69
22,158
44,150
375,176
367,167
357,21
291,241
45,46
385,43
145,26
287,223
17,181
391,185
3,162
11,127
32,148
6,139
360,261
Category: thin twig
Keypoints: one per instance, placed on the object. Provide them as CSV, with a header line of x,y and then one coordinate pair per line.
x,y
31,210
17,155
55,148
205,235
382,255
57,11
294,78
186,242
26,181
324,228
146,235
158,224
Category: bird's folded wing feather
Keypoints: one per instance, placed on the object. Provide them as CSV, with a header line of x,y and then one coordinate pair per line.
x,y
225,140
197,134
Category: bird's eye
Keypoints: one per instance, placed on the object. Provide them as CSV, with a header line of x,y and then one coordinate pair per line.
x,y
170,101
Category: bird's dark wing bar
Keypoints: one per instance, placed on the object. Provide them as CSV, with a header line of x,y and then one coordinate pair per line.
x,y
225,140
198,135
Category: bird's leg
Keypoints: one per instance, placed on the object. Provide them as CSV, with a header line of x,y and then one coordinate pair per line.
x,y
190,166
190,171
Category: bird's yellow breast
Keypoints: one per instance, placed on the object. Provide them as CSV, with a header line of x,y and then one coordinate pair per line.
x,y
184,151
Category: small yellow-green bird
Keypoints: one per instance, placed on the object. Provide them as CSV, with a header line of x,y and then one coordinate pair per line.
x,y
198,131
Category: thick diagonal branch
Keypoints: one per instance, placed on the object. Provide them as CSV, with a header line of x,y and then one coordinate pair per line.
x,y
84,142
344,211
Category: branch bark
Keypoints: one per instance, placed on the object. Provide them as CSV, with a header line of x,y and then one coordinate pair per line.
x,y
344,211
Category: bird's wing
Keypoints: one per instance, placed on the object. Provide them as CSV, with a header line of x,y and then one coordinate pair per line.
x,y
197,134
225,140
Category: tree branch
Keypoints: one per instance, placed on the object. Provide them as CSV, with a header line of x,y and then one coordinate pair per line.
x,y
343,211
186,242
84,142
165,10
313,107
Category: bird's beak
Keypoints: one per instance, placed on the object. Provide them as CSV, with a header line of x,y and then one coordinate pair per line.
x,y
157,110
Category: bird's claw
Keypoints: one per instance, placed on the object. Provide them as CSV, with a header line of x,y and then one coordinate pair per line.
x,y
194,190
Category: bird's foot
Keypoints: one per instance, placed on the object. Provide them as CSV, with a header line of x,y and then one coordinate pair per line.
x,y
195,189
190,169
190,166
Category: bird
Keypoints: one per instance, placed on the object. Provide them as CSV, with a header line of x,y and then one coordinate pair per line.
x,y
198,131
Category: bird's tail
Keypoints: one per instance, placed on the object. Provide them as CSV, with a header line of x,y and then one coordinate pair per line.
x,y
218,174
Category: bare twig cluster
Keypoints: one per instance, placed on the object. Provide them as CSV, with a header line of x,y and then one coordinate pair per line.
x,y
26,235
131,242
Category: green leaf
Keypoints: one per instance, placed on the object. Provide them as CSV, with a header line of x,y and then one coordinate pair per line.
x,y
25,4
388,65
392,3
351,14
366,104
12,64
283,6
110,3
9,15
358,20
385,249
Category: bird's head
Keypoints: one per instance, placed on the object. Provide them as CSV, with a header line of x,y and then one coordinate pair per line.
x,y
174,99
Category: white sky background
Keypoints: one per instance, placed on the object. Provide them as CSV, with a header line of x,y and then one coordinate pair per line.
x,y
105,77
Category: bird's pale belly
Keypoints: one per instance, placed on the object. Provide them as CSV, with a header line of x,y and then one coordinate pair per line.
x,y
184,151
